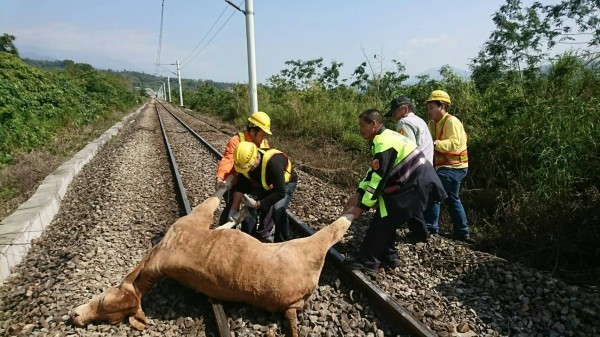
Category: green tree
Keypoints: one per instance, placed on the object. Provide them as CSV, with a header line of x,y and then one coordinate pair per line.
x,y
524,37
7,45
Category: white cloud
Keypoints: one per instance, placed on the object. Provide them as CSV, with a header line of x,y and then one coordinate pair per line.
x,y
117,43
422,53
442,40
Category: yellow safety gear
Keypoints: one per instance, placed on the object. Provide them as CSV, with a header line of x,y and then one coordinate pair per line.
x,y
451,149
262,120
384,145
439,95
287,175
244,156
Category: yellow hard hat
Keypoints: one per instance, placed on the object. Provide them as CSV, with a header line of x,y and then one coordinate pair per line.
x,y
244,156
262,120
439,95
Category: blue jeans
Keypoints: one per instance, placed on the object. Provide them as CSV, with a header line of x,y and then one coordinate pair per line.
x,y
451,179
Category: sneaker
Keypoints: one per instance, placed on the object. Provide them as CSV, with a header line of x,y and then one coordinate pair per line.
x,y
269,239
412,236
466,239
355,265
390,264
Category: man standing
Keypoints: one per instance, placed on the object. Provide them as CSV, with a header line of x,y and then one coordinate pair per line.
x,y
259,125
272,170
401,182
411,125
451,163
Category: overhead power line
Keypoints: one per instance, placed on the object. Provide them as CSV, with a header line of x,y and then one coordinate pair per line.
x,y
204,37
208,42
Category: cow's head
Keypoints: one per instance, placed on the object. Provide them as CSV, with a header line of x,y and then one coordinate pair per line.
x,y
112,306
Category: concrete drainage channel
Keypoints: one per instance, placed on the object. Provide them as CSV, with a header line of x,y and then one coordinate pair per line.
x,y
31,218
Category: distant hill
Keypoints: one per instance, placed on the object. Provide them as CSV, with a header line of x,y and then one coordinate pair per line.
x,y
434,74
30,54
134,78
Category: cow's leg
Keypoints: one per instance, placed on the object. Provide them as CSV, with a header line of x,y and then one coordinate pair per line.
x,y
292,319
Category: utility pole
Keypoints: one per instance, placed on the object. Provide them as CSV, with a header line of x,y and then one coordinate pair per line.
x,y
249,13
162,10
251,55
169,86
178,74
180,89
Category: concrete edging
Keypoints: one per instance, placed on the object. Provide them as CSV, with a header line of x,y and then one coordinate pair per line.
x,y
31,218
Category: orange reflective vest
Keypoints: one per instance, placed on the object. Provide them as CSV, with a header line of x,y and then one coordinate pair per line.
x,y
225,167
263,144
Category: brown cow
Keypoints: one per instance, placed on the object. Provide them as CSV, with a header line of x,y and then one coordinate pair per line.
x,y
279,276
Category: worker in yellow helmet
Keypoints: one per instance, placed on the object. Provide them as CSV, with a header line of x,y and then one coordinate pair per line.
x,y
259,125
451,163
271,170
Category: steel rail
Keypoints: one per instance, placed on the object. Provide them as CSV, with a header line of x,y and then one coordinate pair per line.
x,y
396,315
217,307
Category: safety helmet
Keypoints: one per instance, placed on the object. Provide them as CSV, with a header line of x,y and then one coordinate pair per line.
x,y
262,120
439,95
244,155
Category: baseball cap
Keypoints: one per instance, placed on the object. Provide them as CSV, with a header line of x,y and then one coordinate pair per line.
x,y
396,102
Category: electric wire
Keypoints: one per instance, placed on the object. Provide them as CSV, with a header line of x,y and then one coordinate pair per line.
x,y
208,42
205,35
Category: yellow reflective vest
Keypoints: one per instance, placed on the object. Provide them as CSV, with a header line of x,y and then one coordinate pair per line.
x,y
390,152
451,147
267,154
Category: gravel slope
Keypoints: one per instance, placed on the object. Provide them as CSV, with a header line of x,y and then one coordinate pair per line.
x,y
123,201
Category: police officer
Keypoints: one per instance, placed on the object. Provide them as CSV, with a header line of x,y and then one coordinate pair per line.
x,y
400,183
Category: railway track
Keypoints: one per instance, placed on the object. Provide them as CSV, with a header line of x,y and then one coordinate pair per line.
x,y
400,319
122,203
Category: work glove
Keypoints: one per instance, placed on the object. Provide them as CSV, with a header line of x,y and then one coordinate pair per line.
x,y
231,215
249,201
220,184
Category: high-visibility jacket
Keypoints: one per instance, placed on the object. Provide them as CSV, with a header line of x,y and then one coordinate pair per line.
x,y
266,156
395,158
451,147
225,167
269,180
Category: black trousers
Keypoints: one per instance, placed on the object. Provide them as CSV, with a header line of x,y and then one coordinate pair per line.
x,y
379,244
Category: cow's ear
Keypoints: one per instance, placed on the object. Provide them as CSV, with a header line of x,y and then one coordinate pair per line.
x,y
128,288
138,321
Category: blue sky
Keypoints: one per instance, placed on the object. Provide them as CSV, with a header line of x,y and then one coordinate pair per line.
x,y
124,34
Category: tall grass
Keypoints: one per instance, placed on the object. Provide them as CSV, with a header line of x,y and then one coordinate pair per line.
x,y
36,104
534,167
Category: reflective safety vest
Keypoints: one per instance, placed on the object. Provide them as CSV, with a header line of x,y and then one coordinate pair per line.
x,y
243,139
267,154
406,161
448,158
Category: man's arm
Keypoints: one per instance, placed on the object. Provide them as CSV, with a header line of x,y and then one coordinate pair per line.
x,y
226,163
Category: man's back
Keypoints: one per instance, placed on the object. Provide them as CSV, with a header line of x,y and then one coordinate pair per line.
x,y
415,128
